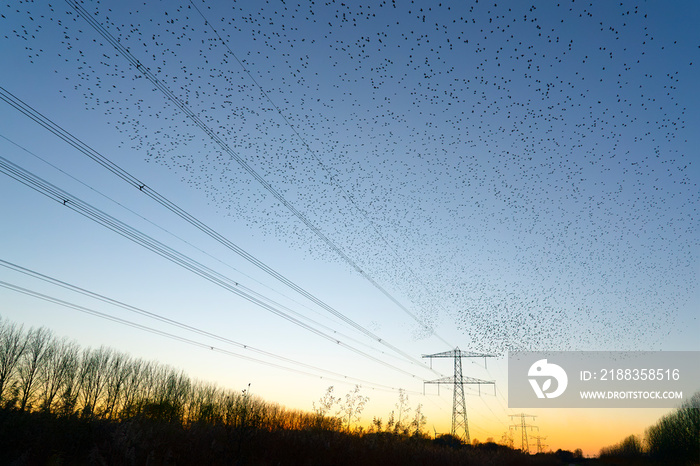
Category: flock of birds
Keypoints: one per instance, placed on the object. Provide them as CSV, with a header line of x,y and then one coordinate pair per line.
x,y
519,171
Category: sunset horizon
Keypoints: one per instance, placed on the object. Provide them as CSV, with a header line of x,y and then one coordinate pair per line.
x,y
275,198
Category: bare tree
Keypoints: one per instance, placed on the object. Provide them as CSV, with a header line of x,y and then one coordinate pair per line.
x,y
229,402
132,388
32,362
93,377
204,407
117,375
58,371
150,378
173,394
12,345
248,413
39,371
69,392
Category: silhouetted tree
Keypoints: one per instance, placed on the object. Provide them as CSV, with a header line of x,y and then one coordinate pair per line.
x,y
37,349
58,371
117,376
93,378
12,346
676,436
448,440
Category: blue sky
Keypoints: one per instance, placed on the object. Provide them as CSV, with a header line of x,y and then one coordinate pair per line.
x,y
516,176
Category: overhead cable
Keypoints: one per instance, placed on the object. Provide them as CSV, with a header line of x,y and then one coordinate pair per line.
x,y
233,154
325,168
104,219
334,375
128,307
218,259
48,124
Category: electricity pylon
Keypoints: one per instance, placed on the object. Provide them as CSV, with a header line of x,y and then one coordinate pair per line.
x,y
540,445
524,445
459,406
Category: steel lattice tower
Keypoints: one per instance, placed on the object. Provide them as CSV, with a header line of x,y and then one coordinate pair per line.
x,y
540,446
524,445
459,405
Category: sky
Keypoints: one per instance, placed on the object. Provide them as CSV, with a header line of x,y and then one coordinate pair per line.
x,y
495,176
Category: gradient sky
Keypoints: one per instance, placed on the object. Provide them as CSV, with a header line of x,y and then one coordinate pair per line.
x,y
515,176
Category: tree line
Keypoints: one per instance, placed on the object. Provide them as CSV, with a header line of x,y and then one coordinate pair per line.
x,y
63,404
674,439
40,372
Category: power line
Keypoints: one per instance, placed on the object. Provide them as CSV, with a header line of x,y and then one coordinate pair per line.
x,y
500,398
145,219
176,257
226,148
51,126
491,411
130,308
342,378
327,328
331,178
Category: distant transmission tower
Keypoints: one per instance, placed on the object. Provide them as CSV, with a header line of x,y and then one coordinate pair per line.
x,y
524,445
459,406
540,446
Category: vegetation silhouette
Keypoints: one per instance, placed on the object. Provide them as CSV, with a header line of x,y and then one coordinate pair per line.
x,y
60,404
674,439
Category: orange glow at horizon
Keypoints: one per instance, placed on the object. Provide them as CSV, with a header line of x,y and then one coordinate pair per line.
x,y
587,429
565,429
